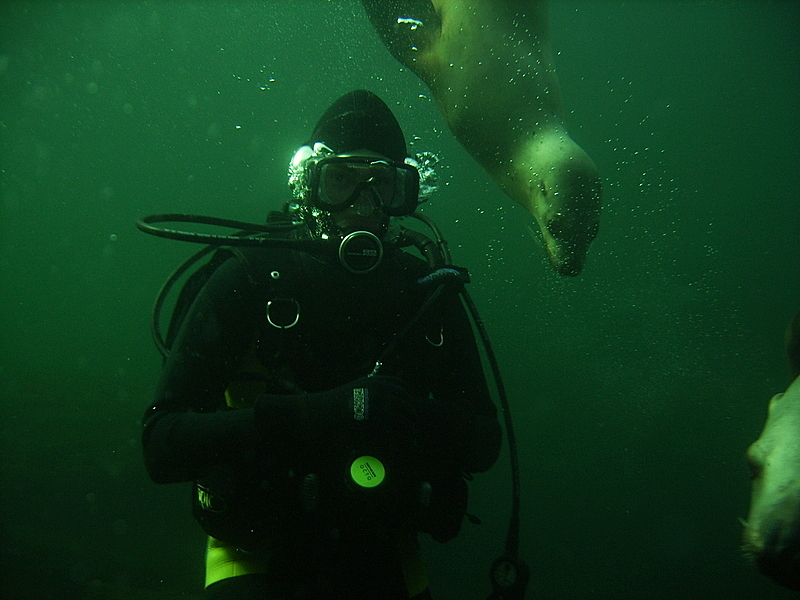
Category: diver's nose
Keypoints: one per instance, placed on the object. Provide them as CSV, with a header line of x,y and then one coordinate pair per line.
x,y
367,202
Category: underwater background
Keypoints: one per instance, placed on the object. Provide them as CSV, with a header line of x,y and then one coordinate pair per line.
x,y
635,388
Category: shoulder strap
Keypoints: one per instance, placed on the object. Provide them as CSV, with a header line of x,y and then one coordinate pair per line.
x,y
192,287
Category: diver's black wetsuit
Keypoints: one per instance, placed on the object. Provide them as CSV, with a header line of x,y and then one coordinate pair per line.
x,y
344,323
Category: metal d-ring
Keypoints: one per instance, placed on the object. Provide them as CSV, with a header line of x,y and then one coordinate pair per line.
x,y
441,338
285,301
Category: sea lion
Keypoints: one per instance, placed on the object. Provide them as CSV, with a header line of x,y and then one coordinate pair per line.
x,y
772,529
489,67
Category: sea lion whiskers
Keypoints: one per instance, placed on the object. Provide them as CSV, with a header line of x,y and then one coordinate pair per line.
x,y
537,237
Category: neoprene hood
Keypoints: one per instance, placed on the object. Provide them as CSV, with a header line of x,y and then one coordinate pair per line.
x,y
357,120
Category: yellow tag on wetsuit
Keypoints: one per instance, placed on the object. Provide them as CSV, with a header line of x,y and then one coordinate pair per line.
x,y
367,471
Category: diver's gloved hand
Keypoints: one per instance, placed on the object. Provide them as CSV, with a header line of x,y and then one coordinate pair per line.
x,y
416,440
379,410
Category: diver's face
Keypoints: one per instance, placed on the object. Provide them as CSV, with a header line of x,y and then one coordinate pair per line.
x,y
366,212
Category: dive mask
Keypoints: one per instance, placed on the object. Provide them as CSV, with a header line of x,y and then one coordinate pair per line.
x,y
337,182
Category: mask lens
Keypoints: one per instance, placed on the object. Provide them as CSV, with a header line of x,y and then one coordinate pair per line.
x,y
341,180
406,192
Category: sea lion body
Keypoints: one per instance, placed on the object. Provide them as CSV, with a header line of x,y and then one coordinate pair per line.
x,y
489,67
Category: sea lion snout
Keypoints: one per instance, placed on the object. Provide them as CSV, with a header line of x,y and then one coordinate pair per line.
x,y
778,557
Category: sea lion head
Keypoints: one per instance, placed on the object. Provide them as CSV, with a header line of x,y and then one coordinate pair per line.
x,y
560,185
772,529
568,213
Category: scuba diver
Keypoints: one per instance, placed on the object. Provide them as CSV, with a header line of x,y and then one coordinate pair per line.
x,y
328,406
